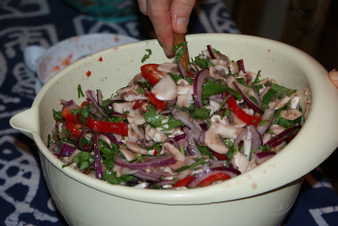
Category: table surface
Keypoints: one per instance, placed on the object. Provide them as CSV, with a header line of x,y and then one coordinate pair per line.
x,y
24,198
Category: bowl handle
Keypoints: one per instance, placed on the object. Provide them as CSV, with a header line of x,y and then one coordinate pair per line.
x,y
26,122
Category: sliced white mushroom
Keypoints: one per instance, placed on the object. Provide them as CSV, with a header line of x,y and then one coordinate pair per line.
x,y
217,72
127,154
184,93
233,66
240,162
122,107
294,102
179,156
135,117
266,137
215,134
152,134
129,93
276,129
278,104
135,133
136,148
213,106
291,114
165,89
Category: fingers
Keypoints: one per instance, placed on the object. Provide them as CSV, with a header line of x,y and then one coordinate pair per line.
x,y
159,14
142,4
180,11
333,76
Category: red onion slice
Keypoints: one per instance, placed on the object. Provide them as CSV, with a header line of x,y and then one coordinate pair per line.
x,y
241,66
263,156
197,86
66,150
247,100
69,104
148,176
97,163
202,176
256,138
228,170
93,100
151,162
283,136
211,52
267,120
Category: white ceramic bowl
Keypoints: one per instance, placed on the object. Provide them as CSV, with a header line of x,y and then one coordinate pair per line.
x,y
260,197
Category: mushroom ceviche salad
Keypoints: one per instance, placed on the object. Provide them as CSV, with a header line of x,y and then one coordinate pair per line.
x,y
173,128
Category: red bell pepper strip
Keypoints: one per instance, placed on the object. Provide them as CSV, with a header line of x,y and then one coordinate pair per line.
x,y
138,104
74,128
151,73
219,156
68,115
120,128
213,178
184,182
242,115
159,104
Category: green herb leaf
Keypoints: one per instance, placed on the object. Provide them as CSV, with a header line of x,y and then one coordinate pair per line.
x,y
200,113
153,118
156,146
258,78
83,160
288,123
112,178
233,149
213,87
175,77
108,153
198,162
227,112
172,123
201,62
275,92
146,55
57,115
205,151
79,91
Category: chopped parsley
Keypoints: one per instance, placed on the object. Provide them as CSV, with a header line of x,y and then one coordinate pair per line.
x,y
146,55
108,153
200,113
57,115
175,77
157,120
275,92
213,87
205,151
233,149
83,160
112,178
201,62
79,91
200,161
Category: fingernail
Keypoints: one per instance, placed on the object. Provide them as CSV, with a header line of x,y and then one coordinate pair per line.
x,y
181,24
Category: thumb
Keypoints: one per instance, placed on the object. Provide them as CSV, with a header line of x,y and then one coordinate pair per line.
x,y
180,14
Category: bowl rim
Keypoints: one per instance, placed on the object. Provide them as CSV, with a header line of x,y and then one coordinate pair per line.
x,y
254,182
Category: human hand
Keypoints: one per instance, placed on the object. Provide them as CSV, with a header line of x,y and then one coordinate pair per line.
x,y
333,76
168,17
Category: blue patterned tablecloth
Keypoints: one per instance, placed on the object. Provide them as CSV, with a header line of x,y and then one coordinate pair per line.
x,y
24,198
